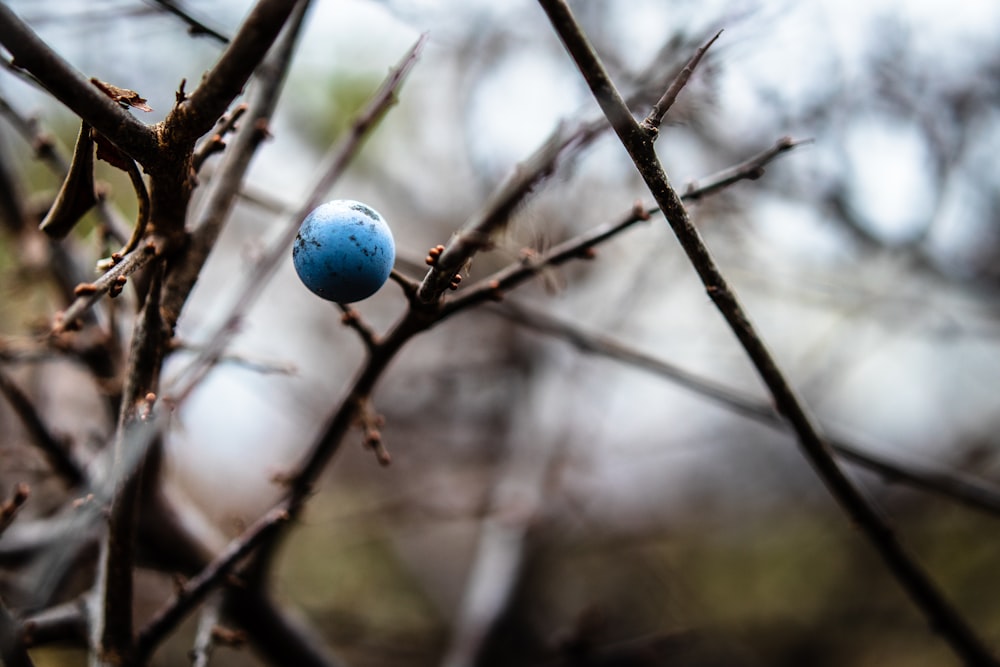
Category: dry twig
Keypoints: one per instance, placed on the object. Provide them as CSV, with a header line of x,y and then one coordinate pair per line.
x,y
638,141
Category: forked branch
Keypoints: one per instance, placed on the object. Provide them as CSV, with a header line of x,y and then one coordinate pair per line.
x,y
638,142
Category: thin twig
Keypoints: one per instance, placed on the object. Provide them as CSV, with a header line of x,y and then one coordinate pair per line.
x,y
142,216
74,90
111,281
493,287
43,144
970,492
334,165
195,115
352,318
220,197
195,27
478,232
197,588
639,144
228,123
54,448
750,169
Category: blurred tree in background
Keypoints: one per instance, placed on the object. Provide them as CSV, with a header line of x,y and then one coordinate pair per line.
x,y
585,470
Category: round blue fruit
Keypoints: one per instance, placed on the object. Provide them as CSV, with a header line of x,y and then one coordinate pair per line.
x,y
344,251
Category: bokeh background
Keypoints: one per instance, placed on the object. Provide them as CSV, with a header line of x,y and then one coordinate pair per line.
x,y
597,509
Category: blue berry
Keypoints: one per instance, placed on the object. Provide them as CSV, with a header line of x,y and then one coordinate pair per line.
x,y
344,251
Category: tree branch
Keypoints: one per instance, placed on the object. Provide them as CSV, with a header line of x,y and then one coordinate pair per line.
x,y
912,578
333,167
13,652
751,169
195,27
655,118
970,492
197,588
62,623
112,281
493,287
134,439
74,89
280,635
225,184
55,449
195,115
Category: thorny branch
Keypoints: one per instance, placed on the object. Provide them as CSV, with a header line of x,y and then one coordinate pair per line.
x,y
655,118
196,589
638,141
493,287
111,282
74,90
421,316
169,154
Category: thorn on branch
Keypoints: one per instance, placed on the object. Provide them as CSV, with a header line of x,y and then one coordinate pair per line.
x,y
216,143
652,122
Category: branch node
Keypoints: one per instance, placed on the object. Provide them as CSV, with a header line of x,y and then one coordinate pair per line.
x,y
228,637
639,210
496,294
371,424
352,318
408,286
433,254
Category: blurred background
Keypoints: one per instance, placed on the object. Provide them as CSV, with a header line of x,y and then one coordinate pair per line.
x,y
546,505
